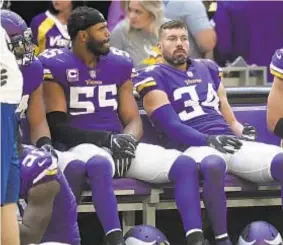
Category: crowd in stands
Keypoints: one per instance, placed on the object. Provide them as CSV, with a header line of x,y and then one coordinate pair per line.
x,y
222,30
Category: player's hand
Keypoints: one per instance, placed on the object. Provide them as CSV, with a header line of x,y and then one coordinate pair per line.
x,y
49,149
3,77
123,143
249,133
122,164
224,143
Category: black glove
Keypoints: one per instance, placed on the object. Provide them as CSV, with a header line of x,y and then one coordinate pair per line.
x,y
224,143
3,77
49,149
249,133
122,162
123,143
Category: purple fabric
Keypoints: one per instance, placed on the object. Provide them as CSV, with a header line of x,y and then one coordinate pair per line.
x,y
115,14
175,129
184,175
252,114
99,171
75,173
277,170
212,169
262,35
91,94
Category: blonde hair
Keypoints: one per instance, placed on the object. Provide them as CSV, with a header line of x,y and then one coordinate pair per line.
x,y
155,8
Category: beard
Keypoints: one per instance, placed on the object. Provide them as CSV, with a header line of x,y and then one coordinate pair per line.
x,y
97,47
175,60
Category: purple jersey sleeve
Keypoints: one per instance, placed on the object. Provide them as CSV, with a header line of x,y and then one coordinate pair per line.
x,y
148,79
215,71
53,64
36,167
33,76
121,61
276,66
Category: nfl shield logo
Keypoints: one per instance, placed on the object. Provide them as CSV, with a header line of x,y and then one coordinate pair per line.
x,y
190,74
92,74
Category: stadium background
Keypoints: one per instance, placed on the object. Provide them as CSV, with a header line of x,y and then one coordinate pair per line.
x,y
167,221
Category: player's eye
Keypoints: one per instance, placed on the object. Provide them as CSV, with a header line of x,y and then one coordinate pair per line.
x,y
172,38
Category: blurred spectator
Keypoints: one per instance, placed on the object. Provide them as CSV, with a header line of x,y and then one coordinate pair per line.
x,y
202,36
116,13
50,28
137,34
251,29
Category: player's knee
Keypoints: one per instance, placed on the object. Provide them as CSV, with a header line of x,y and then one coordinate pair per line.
x,y
75,168
99,166
212,167
277,167
183,167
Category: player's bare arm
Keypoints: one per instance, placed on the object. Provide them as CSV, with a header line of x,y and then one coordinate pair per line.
x,y
227,111
54,97
38,212
153,100
128,111
36,116
274,104
246,131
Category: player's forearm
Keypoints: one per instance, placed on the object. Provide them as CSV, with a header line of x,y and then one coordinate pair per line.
x,y
38,131
30,234
134,128
237,128
230,118
62,132
166,120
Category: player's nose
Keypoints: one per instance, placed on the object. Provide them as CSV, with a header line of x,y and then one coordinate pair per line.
x,y
179,43
107,33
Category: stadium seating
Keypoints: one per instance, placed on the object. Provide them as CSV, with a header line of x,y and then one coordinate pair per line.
x,y
249,105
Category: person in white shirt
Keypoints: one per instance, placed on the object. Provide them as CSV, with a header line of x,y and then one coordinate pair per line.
x,y
10,96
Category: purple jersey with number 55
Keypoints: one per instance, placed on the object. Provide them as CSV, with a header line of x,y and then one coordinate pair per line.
x,y
193,93
91,94
39,167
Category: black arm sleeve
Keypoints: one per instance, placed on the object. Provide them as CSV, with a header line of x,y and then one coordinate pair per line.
x,y
63,133
278,130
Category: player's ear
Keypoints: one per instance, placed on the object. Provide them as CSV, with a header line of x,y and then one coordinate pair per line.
x,y
83,36
159,46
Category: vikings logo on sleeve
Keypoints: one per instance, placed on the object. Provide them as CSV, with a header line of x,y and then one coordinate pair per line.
x,y
37,167
148,79
276,66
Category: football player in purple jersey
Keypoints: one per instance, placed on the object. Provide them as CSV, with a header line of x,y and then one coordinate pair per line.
x,y
186,101
34,127
47,207
92,111
274,104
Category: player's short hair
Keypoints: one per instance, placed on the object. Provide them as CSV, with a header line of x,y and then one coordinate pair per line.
x,y
75,4
172,24
83,18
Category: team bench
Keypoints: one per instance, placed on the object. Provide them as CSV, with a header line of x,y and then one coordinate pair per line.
x,y
249,105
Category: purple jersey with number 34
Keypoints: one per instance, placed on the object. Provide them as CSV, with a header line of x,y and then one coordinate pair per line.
x,y
193,93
